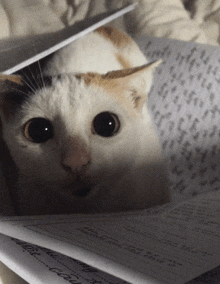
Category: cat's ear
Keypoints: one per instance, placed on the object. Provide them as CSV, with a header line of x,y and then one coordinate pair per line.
x,y
138,79
7,82
8,85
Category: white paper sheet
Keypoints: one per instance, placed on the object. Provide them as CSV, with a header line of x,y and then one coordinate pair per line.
x,y
173,248
39,265
185,106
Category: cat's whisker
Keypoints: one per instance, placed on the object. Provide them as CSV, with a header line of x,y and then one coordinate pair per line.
x,y
28,82
19,91
41,74
36,86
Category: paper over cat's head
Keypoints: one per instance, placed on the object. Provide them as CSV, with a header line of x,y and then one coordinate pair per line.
x,y
77,137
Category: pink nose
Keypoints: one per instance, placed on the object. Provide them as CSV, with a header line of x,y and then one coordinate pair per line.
x,y
76,156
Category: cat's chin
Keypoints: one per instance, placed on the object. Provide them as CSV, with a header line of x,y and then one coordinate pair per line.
x,y
83,191
83,188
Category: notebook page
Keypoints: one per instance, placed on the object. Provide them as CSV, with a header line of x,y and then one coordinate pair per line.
x,y
185,107
212,277
38,265
172,247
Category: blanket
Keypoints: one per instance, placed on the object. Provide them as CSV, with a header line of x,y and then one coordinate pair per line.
x,y
190,20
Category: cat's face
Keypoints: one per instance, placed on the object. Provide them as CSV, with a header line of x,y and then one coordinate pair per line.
x,y
80,132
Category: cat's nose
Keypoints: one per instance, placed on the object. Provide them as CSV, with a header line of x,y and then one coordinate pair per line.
x,y
76,157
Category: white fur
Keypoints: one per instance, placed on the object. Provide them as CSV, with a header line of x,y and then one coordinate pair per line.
x,y
93,53
126,170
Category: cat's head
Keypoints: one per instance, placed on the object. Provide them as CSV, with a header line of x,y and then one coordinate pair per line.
x,y
75,133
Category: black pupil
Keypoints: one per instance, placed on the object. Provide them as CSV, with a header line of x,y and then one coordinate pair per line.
x,y
40,130
105,124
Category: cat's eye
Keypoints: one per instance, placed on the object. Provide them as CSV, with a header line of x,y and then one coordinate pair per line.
x,y
38,130
105,124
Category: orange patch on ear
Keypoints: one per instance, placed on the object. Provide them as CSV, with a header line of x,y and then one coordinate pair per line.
x,y
113,87
124,63
9,81
12,78
89,78
136,99
118,38
96,78
125,85
124,72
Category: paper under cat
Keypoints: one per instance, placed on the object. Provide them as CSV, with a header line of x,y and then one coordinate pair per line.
x,y
82,138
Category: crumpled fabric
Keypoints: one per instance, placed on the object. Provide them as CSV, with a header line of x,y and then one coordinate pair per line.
x,y
192,20
189,20
28,17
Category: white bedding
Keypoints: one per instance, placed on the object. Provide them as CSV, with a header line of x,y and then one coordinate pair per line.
x,y
160,18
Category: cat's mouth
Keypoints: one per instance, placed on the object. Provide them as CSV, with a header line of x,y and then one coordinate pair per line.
x,y
83,191
80,189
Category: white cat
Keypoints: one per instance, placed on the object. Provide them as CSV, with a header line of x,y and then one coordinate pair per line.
x,y
83,140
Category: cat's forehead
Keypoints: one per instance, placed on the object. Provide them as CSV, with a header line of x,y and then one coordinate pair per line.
x,y
69,96
63,94
119,94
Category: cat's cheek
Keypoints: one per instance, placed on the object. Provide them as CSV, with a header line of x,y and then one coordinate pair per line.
x,y
47,170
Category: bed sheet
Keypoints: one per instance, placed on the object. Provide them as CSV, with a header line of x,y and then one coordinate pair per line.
x,y
190,20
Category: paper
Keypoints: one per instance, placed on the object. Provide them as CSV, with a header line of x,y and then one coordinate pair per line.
x,y
41,265
16,54
210,277
172,247
185,106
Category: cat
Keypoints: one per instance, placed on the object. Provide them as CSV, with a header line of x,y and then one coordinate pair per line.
x,y
81,138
